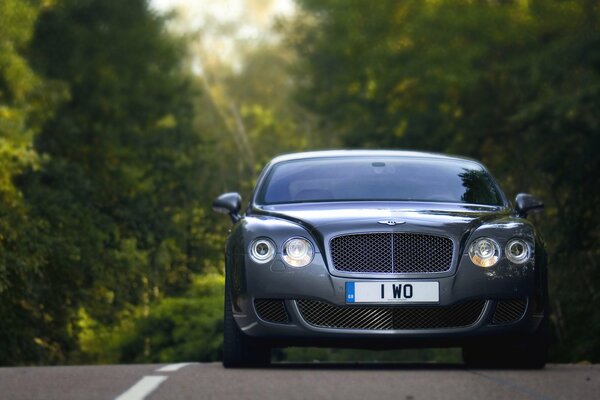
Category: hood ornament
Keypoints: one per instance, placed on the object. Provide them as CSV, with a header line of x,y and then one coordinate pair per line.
x,y
391,222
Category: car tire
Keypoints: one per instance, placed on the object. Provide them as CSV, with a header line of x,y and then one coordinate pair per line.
x,y
526,353
240,350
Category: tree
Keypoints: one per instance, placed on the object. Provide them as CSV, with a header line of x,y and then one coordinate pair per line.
x,y
104,191
183,328
27,100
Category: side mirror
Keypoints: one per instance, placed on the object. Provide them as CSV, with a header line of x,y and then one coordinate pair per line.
x,y
229,203
525,203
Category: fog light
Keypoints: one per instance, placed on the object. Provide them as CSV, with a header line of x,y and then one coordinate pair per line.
x,y
484,252
262,250
517,251
298,252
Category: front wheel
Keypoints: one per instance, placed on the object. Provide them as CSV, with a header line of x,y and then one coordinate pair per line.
x,y
240,350
527,353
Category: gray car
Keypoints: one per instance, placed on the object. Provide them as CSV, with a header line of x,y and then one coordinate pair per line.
x,y
384,249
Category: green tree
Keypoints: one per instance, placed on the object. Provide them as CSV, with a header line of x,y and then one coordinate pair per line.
x,y
182,328
253,116
122,155
27,100
101,199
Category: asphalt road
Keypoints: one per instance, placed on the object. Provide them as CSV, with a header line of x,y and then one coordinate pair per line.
x,y
298,381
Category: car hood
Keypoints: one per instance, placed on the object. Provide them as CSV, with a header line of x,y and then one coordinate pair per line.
x,y
329,219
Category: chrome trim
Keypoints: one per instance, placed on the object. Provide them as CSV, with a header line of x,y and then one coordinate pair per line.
x,y
252,325
345,274
310,243
527,250
271,255
391,222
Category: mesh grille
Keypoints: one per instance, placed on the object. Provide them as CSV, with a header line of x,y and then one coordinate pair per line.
x,y
509,311
363,253
327,315
391,253
421,253
272,310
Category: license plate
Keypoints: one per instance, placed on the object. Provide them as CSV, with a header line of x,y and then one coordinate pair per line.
x,y
392,292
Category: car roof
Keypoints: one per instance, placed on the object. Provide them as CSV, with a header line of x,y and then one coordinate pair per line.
x,y
366,153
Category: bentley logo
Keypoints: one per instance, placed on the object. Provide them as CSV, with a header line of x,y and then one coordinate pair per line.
x,y
391,222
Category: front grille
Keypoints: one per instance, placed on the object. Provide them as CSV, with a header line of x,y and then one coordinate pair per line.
x,y
325,315
508,311
272,310
390,253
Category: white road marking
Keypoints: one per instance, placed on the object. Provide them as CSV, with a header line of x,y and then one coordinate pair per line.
x,y
173,367
252,325
142,388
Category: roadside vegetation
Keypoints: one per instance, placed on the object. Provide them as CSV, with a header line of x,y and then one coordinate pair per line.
x,y
113,144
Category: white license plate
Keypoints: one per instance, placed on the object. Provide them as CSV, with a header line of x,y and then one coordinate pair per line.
x,y
392,292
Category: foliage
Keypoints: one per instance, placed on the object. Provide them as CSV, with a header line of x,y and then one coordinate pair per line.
x,y
126,132
253,121
106,187
27,100
173,329
515,84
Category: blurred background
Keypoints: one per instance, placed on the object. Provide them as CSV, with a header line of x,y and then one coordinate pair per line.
x,y
120,121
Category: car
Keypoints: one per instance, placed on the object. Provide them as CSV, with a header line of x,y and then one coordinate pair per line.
x,y
384,249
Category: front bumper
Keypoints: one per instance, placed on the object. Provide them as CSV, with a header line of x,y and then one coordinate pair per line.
x,y
469,284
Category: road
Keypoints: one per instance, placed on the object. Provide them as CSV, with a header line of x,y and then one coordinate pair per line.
x,y
298,381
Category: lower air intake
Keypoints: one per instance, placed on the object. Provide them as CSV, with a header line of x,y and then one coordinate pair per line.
x,y
272,310
508,311
327,315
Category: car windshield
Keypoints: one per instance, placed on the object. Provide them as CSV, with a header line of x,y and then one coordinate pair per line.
x,y
378,178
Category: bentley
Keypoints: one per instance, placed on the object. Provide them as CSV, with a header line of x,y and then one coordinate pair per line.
x,y
383,250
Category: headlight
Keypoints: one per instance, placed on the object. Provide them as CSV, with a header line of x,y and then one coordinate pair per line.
x,y
484,252
517,251
262,250
298,252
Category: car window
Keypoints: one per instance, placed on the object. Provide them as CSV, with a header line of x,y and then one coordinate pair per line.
x,y
378,178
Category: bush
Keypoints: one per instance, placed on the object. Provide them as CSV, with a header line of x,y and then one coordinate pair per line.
x,y
187,328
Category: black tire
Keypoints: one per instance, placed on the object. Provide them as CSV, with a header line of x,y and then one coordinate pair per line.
x,y
240,350
526,353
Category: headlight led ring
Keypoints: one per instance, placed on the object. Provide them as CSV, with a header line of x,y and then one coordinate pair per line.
x,y
517,251
484,252
262,250
298,252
